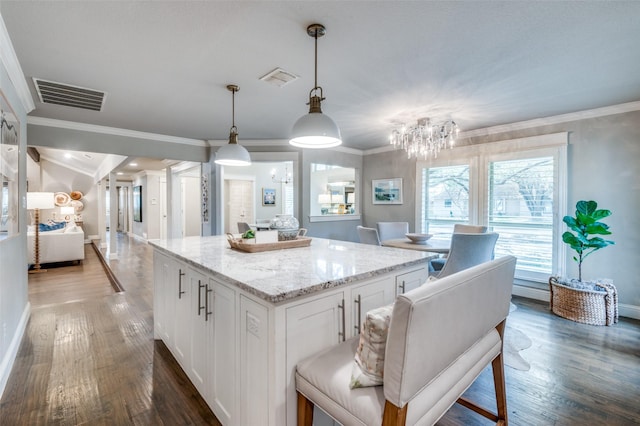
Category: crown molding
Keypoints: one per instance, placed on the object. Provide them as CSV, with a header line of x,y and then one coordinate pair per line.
x,y
555,119
93,128
10,62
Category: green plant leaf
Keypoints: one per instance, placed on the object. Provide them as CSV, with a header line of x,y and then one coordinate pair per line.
x,y
601,214
598,228
586,207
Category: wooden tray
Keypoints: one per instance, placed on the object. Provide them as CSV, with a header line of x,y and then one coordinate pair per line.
x,y
238,244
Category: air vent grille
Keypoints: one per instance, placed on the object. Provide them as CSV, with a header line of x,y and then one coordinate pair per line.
x,y
279,77
51,92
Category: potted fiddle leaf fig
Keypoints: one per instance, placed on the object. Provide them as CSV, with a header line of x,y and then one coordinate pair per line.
x,y
584,225
592,302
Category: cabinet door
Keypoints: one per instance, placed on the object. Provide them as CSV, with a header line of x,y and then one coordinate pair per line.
x,y
179,303
410,280
162,266
254,363
201,328
370,296
310,328
224,388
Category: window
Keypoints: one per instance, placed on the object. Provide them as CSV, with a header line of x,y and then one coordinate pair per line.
x,y
446,192
516,187
520,202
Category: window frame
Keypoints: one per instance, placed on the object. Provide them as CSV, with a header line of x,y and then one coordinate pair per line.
x,y
479,156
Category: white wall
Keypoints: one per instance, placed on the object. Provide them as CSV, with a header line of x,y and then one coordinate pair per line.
x,y
14,301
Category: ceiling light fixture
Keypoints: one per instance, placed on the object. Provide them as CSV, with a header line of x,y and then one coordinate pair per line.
x,y
315,130
425,139
287,179
233,154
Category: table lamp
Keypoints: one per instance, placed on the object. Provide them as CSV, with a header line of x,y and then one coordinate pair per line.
x,y
66,213
37,201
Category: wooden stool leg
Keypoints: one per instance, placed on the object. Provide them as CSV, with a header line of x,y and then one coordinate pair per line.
x,y
305,411
497,365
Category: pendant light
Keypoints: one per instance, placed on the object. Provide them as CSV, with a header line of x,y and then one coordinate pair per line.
x,y
315,130
233,154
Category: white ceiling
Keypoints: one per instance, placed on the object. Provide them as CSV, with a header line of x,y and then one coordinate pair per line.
x,y
165,65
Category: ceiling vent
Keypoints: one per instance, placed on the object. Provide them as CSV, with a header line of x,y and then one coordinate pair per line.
x,y
51,92
279,77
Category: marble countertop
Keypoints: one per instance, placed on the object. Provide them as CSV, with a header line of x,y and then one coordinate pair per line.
x,y
281,275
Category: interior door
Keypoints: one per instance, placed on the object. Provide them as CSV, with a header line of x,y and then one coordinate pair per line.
x,y
239,203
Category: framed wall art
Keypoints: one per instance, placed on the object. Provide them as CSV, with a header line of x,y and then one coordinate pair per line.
x,y
268,197
386,191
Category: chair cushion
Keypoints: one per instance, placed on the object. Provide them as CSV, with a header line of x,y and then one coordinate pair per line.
x,y
368,365
324,378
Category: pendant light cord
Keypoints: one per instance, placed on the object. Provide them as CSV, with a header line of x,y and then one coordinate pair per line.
x,y
316,60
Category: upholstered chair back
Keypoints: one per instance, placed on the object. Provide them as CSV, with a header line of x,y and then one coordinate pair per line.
x,y
368,235
392,230
468,250
433,325
462,228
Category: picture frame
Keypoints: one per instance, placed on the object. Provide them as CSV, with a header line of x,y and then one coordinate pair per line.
x,y
268,197
137,203
386,191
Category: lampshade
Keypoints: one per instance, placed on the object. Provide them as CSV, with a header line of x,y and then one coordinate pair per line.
x,y
40,200
233,154
324,199
315,130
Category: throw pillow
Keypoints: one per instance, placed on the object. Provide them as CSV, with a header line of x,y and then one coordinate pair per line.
x,y
368,365
71,228
43,227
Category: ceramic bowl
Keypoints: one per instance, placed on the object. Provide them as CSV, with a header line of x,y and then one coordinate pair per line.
x,y
418,238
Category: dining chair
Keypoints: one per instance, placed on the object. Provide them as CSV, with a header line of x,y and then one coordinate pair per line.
x,y
467,250
243,227
368,235
392,230
458,228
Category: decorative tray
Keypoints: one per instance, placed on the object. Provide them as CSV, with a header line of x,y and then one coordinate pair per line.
x,y
239,244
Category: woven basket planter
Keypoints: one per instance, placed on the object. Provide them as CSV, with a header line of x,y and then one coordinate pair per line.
x,y
586,306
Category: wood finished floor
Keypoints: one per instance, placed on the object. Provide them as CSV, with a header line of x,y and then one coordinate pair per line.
x,y
88,357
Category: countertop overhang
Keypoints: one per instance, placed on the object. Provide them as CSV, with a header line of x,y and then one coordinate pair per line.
x,y
280,275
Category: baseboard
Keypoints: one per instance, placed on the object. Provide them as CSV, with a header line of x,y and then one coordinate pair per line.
x,y
624,310
531,293
138,237
12,350
629,311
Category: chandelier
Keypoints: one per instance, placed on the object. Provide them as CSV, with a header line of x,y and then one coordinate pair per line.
x,y
287,179
425,139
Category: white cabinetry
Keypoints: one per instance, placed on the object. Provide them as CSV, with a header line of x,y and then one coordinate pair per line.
x,y
240,351
408,281
370,296
224,359
201,331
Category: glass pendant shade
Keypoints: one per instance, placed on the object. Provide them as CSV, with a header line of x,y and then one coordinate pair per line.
x,y
315,130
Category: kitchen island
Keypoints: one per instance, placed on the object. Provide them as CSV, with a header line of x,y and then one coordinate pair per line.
x,y
238,322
